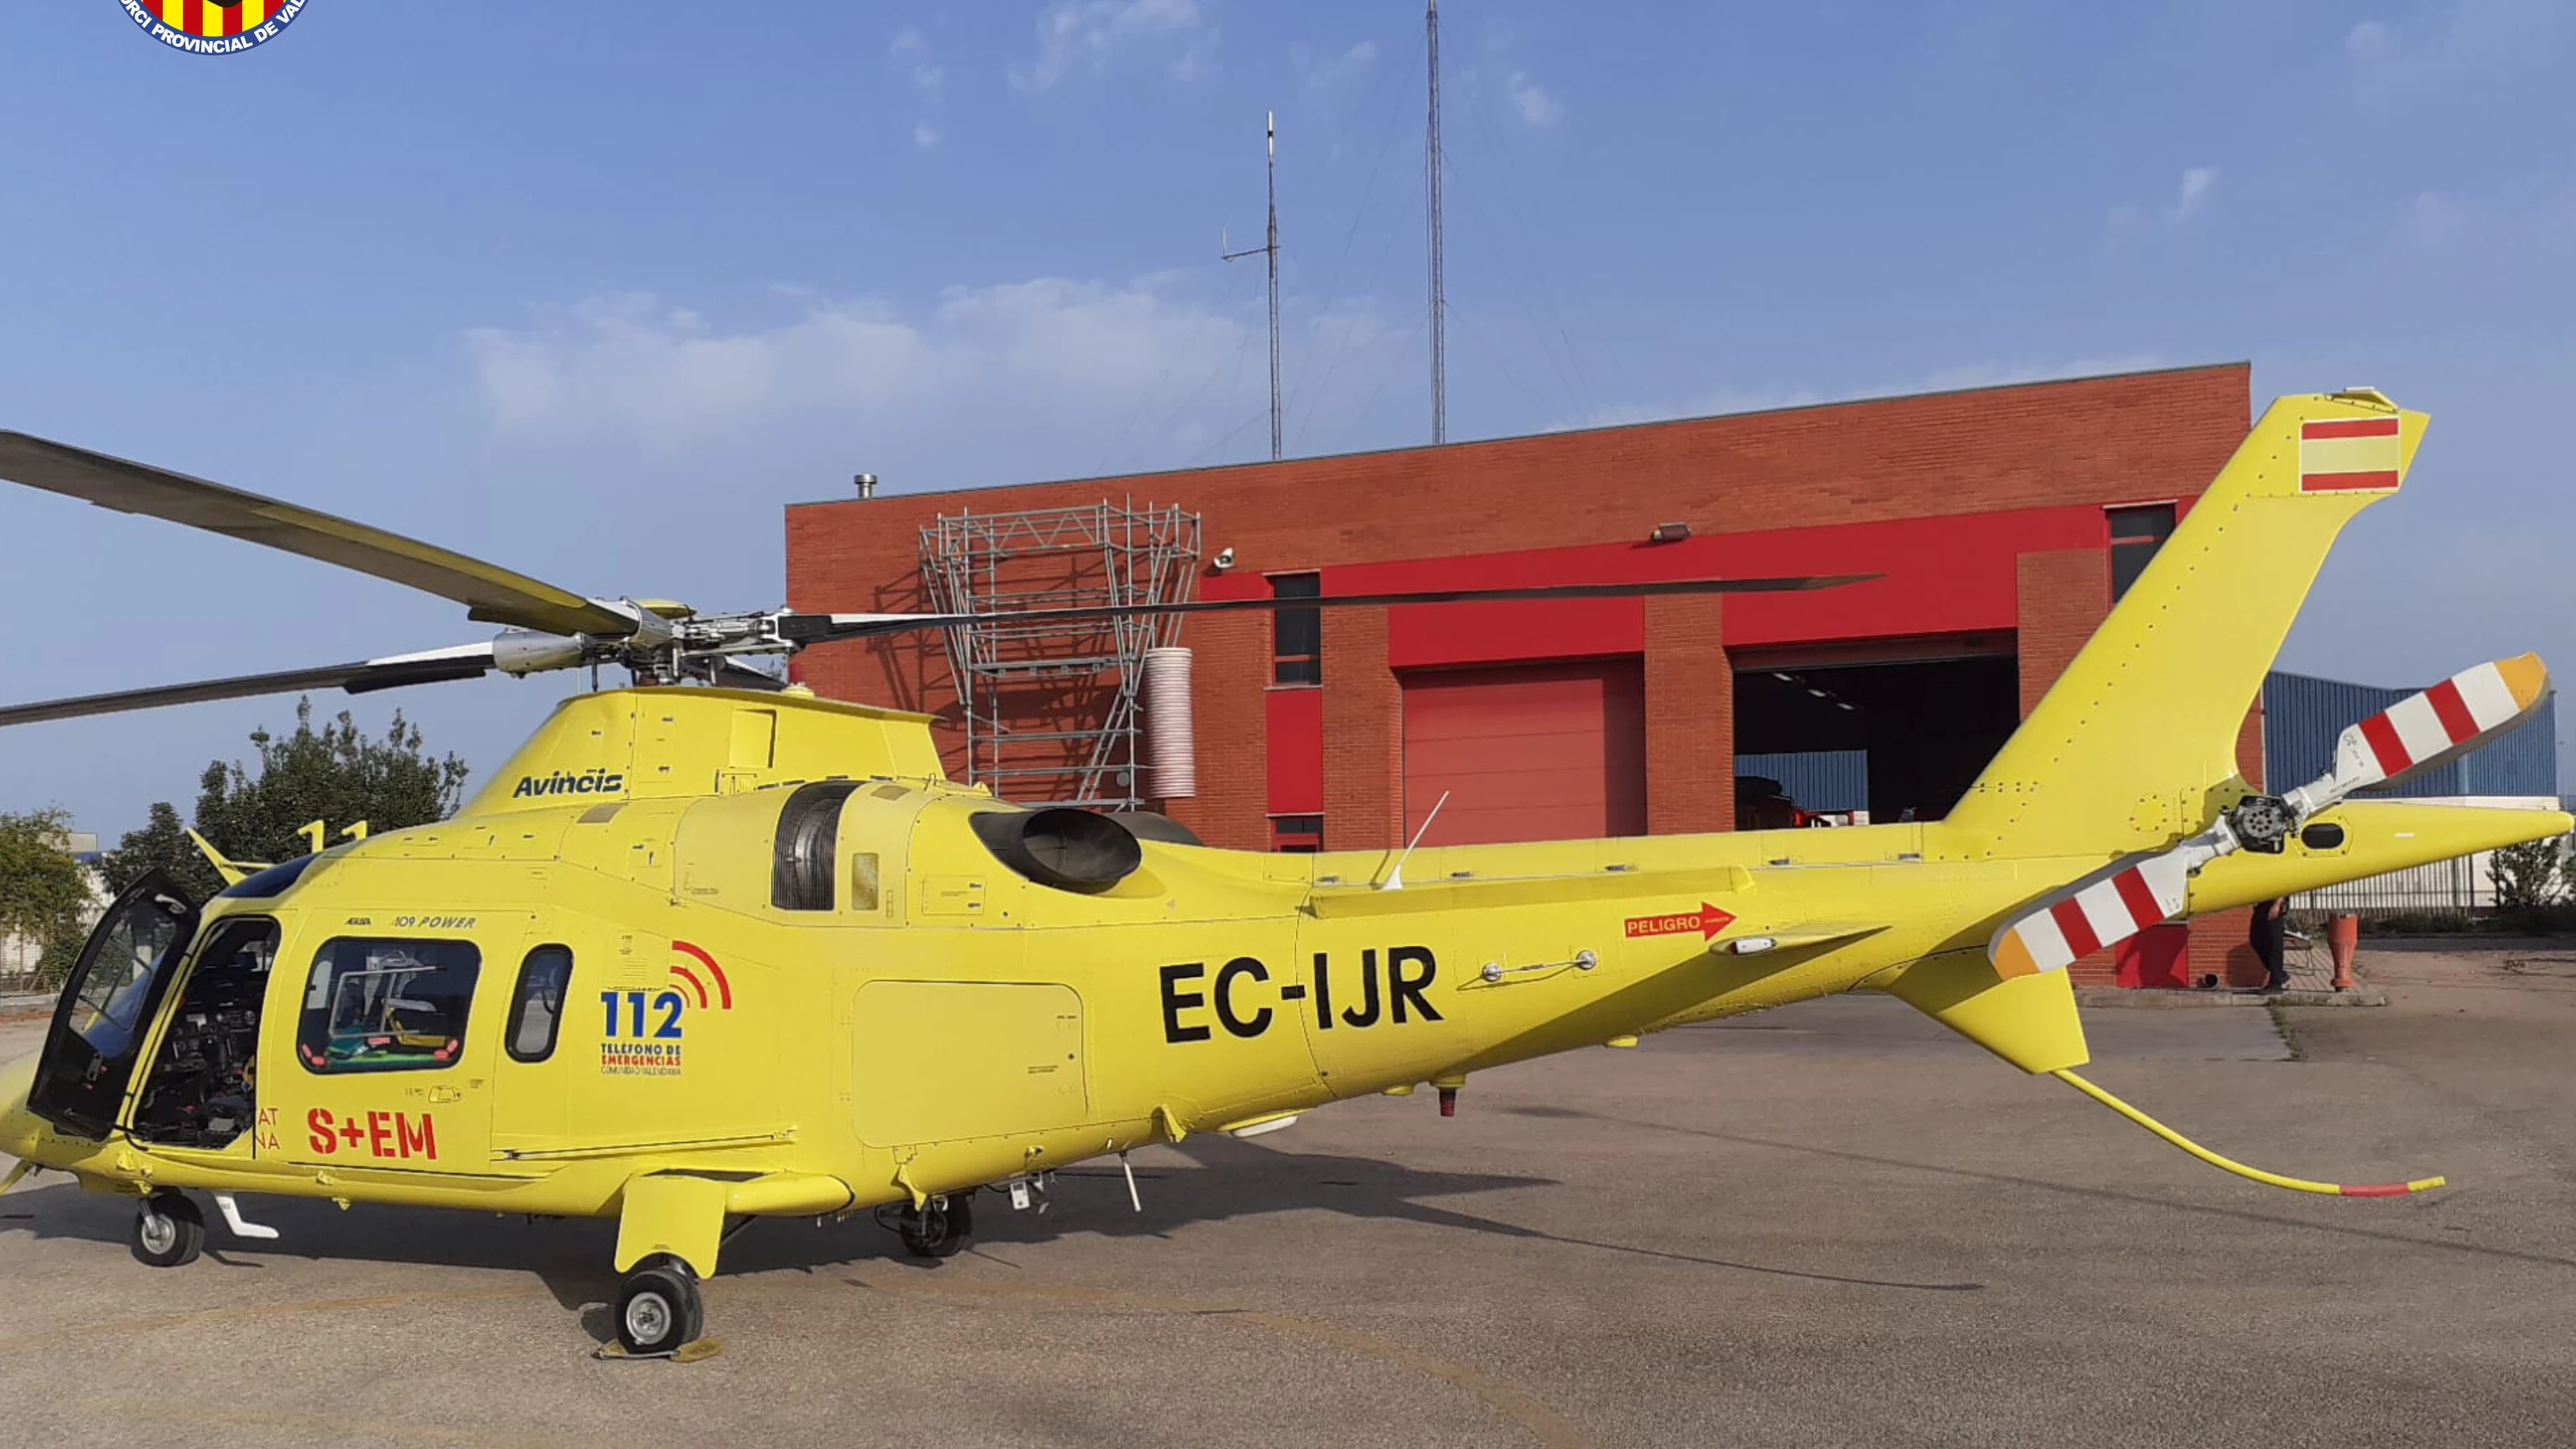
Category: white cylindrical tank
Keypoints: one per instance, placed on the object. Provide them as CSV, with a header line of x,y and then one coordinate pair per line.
x,y
1171,745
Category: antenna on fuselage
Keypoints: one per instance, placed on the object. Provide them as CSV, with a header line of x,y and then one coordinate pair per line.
x,y
1395,878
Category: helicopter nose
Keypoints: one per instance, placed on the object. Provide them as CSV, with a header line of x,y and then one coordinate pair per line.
x,y
19,1128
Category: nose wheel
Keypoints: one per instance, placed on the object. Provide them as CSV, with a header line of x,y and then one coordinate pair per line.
x,y
169,1232
658,1307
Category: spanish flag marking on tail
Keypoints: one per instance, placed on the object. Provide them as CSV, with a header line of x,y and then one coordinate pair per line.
x,y
2346,455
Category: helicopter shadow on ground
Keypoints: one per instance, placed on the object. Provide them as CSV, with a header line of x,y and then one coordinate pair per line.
x,y
1233,1179
570,1257
1226,1180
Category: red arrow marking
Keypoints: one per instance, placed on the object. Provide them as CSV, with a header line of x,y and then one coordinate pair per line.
x,y
1708,920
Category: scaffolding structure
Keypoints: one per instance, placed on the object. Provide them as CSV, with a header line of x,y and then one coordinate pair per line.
x,y
1052,707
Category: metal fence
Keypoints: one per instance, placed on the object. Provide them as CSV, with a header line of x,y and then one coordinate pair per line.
x,y
2446,889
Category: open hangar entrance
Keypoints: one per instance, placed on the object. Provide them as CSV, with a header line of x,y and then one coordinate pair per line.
x,y
1900,730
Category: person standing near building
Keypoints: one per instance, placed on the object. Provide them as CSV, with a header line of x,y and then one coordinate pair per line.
x,y
2268,937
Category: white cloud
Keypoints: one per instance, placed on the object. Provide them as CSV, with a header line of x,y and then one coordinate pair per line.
x,y
2194,194
908,47
629,362
1345,67
924,135
1048,377
2369,40
1085,36
1532,101
2190,197
1049,348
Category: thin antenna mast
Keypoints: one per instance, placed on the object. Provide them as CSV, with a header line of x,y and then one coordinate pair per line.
x,y
1439,289
1271,251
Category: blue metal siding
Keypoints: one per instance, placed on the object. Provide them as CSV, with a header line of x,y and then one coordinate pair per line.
x,y
2522,763
1815,779
2303,716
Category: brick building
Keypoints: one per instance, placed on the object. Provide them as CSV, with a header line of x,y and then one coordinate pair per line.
x,y
2002,521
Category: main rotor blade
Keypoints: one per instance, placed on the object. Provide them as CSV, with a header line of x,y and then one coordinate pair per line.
x,y
435,666
490,593
804,629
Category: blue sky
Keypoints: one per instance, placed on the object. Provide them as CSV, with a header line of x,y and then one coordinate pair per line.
x,y
593,290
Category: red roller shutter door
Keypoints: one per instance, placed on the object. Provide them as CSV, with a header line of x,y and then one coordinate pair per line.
x,y
1529,752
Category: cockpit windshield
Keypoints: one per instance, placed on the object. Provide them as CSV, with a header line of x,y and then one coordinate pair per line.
x,y
107,1005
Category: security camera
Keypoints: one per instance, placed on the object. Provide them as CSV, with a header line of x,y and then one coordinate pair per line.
x,y
1224,559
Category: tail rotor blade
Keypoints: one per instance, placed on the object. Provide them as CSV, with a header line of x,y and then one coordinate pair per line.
x,y
2429,729
2104,908
2415,734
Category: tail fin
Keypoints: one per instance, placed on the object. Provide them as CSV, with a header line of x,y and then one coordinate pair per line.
x,y
2125,749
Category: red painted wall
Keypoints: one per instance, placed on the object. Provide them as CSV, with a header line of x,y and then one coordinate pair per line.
x,y
1294,716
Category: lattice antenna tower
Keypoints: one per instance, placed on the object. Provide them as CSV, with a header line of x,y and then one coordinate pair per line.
x,y
1270,250
1439,286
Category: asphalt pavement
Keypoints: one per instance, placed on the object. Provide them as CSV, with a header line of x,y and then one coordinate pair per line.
x,y
1829,1225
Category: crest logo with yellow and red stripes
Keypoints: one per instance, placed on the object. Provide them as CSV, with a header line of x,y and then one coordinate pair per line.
x,y
213,27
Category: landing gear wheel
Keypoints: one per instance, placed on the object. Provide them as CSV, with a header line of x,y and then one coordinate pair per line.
x,y
169,1232
940,1230
658,1307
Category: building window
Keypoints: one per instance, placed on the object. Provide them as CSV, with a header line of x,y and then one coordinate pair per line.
x,y
1297,635
387,1006
1297,834
536,1008
2136,534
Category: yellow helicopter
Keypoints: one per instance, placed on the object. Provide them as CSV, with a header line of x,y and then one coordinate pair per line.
x,y
715,950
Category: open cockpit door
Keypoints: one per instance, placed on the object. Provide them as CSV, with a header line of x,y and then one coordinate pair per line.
x,y
108,1005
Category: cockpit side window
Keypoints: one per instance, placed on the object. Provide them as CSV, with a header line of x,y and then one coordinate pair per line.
x,y
537,1006
378,1005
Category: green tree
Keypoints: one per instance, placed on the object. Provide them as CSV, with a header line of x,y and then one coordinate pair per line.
x,y
257,811
2530,875
162,845
333,774
44,890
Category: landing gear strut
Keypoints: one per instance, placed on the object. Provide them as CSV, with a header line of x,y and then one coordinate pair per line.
x,y
939,1229
658,1307
169,1232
